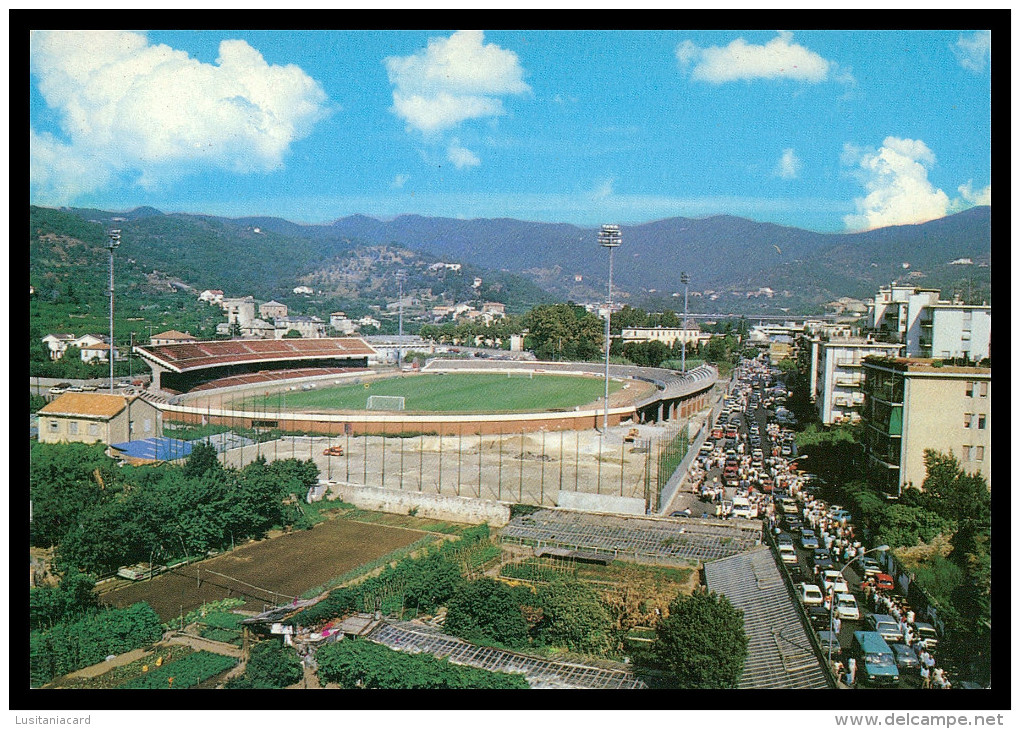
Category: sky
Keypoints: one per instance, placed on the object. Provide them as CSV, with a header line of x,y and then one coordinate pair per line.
x,y
832,131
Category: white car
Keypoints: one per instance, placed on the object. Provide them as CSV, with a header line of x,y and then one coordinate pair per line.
x,y
788,554
846,606
809,594
833,580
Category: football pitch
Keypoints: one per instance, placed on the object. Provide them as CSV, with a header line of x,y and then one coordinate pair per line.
x,y
461,393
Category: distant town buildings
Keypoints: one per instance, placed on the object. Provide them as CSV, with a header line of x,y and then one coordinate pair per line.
x,y
212,296
303,290
911,405
171,337
58,344
310,327
240,311
272,309
666,335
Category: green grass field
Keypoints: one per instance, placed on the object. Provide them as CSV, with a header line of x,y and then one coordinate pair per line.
x,y
474,393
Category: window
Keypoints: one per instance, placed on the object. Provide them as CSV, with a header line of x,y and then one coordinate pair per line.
x,y
984,389
966,452
54,426
147,425
969,390
93,428
981,421
980,453
72,427
967,419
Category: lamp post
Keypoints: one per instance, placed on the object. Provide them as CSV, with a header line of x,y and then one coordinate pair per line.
x,y
832,590
609,237
685,280
112,243
401,275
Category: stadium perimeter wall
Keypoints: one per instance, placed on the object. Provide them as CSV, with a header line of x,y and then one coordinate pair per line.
x,y
432,506
375,424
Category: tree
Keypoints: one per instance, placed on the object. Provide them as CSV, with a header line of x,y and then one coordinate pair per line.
x,y
702,643
487,610
272,665
956,494
292,334
575,617
202,460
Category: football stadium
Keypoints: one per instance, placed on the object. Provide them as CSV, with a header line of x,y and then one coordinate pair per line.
x,y
517,431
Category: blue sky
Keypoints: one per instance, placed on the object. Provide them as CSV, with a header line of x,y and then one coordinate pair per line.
x,y
824,130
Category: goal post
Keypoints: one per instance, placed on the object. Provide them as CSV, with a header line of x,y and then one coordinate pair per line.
x,y
385,402
524,374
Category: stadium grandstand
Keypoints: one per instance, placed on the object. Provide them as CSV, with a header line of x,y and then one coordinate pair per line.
x,y
180,368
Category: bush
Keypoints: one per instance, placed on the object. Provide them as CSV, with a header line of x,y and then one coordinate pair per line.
x,y
574,617
487,611
67,647
272,665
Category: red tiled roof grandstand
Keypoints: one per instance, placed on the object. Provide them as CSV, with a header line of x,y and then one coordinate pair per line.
x,y
183,367
275,376
197,355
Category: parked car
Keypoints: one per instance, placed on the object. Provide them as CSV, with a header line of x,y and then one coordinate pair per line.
x,y
89,388
784,538
833,580
926,632
818,617
810,594
787,554
870,566
884,581
846,606
885,626
808,540
829,640
822,559
905,657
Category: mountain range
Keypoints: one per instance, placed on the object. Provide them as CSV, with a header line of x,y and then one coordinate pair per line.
x,y
734,264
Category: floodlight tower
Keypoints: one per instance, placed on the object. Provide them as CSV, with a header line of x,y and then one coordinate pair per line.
x,y
609,237
112,243
401,275
685,280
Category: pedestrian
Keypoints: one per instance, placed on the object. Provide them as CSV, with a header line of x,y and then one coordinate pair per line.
x,y
851,671
910,616
925,677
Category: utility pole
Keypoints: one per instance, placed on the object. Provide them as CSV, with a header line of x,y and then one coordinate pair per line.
x,y
401,275
685,280
609,237
112,244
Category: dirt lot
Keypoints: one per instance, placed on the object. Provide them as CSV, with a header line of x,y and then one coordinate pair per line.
x,y
268,572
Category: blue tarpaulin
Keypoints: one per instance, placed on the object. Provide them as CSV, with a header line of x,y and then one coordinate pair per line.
x,y
155,449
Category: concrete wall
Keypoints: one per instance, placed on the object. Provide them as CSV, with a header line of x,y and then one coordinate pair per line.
x,y
600,503
431,506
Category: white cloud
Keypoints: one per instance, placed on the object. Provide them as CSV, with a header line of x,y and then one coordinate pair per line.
x,y
149,113
788,166
399,181
460,156
973,51
896,179
975,197
779,58
453,79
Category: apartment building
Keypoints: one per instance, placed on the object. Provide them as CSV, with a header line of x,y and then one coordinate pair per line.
x,y
666,335
911,405
836,375
928,325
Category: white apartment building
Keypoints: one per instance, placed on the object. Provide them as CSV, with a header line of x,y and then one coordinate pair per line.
x,y
339,321
951,329
928,325
837,377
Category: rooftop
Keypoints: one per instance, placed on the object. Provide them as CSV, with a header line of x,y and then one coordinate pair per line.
x,y
87,404
929,365
174,334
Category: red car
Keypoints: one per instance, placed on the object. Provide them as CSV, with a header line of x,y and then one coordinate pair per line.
x,y
884,581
